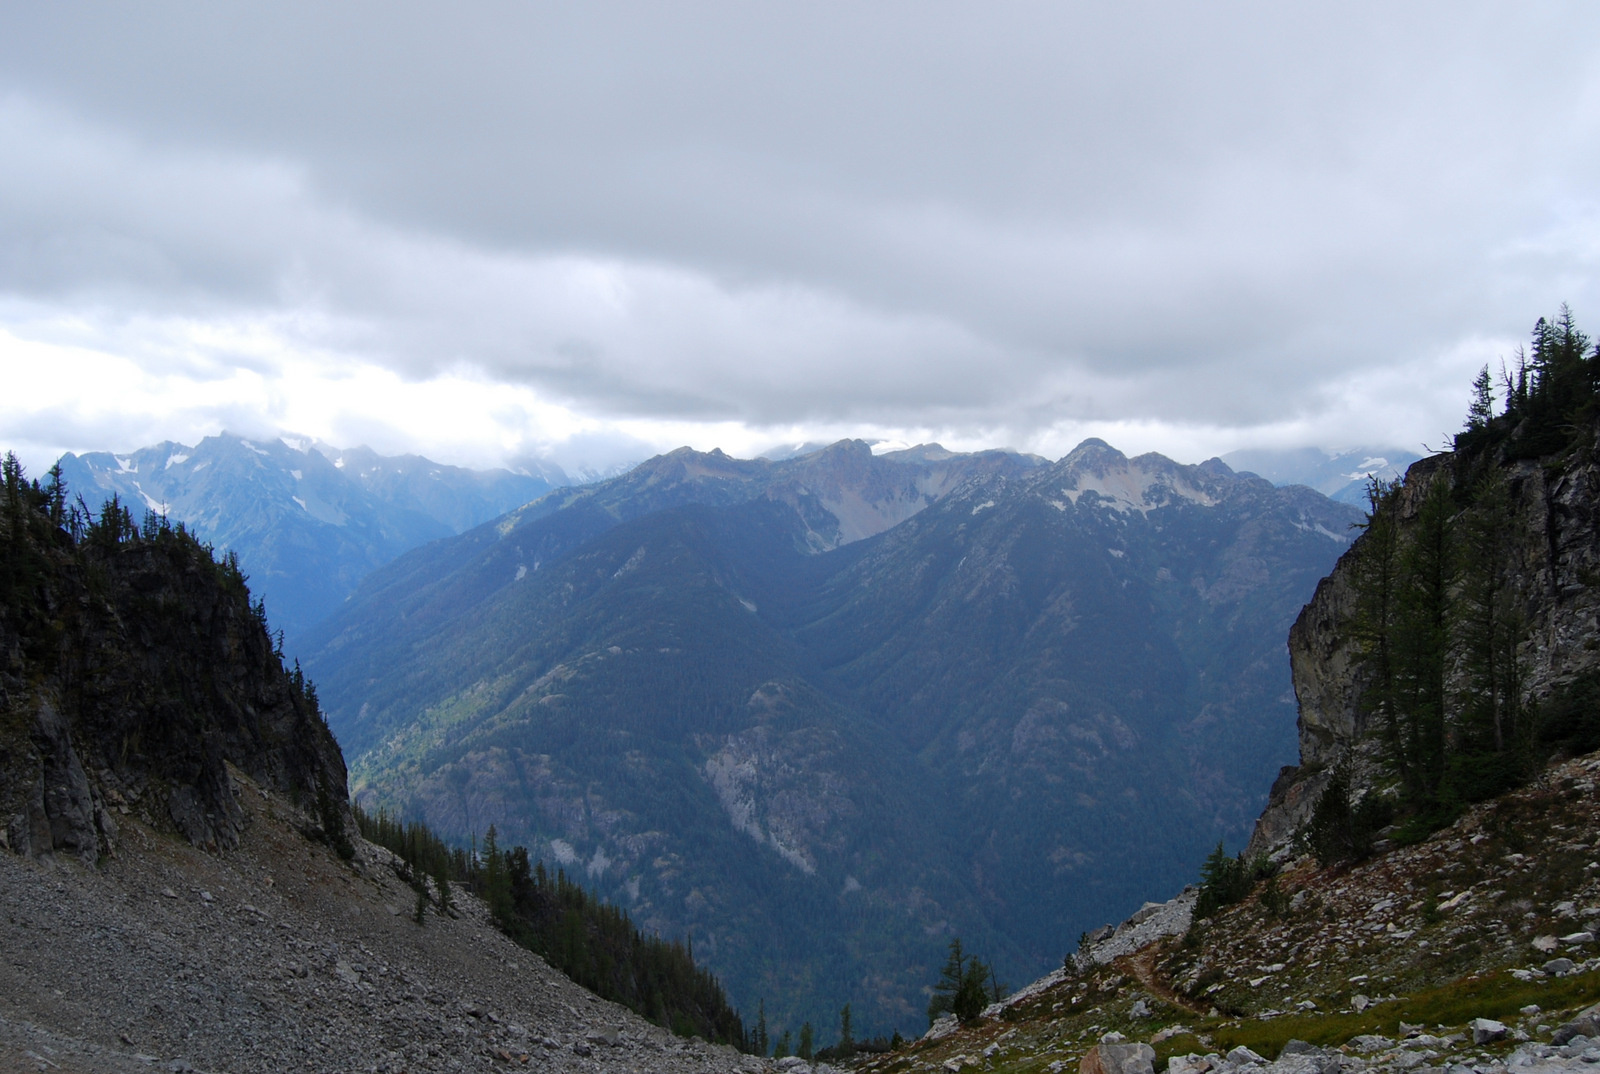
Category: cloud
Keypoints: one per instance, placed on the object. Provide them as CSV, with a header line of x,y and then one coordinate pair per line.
x,y
1191,227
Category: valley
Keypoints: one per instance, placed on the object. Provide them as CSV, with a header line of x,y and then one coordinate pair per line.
x,y
823,714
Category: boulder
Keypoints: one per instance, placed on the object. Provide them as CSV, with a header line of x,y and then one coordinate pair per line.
x,y
1586,1024
1485,1030
1119,1059
1241,1056
1557,966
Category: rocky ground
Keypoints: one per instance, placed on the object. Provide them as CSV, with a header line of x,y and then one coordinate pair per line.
x,y
1468,952
278,956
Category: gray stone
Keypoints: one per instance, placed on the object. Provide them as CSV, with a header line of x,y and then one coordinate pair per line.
x,y
604,1035
1558,966
1370,1042
1485,1030
1298,1047
1119,1059
1359,1003
1586,1024
1242,1055
1140,1009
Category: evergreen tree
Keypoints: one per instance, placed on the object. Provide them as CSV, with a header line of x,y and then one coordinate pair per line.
x,y
1376,575
1421,643
1481,409
1492,732
847,1043
496,879
807,1042
965,987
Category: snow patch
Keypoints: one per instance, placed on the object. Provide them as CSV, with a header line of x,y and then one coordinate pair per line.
x,y
748,606
158,506
126,466
598,864
298,476
176,458
1059,505
522,571
1117,552
255,449
295,443
563,851
983,506
200,466
302,504
1131,488
1319,528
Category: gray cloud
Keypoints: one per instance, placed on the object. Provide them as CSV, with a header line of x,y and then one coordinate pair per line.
x,y
1008,221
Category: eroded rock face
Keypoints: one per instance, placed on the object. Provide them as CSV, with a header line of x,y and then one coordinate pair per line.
x,y
1557,561
131,676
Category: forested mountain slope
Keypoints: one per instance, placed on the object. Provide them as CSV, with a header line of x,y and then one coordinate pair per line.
x,y
1033,692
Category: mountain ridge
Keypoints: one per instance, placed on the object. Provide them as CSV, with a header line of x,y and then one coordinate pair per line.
x,y
728,649
307,520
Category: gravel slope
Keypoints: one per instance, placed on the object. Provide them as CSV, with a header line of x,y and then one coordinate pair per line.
x,y
277,957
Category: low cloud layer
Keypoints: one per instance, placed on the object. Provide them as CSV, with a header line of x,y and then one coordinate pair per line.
x,y
602,229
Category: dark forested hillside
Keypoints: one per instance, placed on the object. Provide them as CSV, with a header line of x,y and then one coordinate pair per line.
x,y
133,670
820,758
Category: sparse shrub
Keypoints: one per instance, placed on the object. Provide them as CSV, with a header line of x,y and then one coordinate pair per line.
x,y
1273,901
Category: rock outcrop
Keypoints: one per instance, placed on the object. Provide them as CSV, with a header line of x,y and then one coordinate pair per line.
x,y
133,674
1556,522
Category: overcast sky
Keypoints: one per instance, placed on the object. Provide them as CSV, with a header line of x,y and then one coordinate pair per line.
x,y
593,231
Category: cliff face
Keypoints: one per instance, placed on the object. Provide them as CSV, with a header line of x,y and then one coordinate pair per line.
x,y
1555,528
133,674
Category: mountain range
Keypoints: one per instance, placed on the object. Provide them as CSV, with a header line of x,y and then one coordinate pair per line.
x,y
308,521
824,713
1339,475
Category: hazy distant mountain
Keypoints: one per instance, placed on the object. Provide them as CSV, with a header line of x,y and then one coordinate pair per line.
x,y
307,520
821,714
1341,475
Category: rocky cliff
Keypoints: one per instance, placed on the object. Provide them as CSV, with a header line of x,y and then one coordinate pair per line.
x,y
135,676
1553,531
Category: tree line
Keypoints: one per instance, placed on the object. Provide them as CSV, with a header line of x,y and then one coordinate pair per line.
x,y
591,941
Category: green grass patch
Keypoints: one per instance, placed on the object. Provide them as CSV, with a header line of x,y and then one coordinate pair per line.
x,y
1493,995
1182,1044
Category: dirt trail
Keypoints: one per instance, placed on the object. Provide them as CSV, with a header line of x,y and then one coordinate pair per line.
x,y
1141,966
